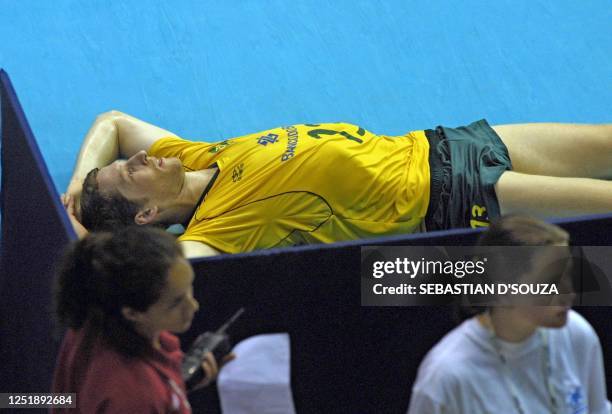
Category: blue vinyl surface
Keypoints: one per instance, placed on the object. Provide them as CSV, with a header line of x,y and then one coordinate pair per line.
x,y
211,70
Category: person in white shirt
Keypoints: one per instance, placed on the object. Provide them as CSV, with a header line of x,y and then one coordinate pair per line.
x,y
522,359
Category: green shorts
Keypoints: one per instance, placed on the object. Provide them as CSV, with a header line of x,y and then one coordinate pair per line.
x,y
465,163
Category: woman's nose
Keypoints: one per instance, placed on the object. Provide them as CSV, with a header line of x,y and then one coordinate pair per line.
x,y
195,304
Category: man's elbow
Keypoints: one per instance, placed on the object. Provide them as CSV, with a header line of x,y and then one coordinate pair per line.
x,y
112,114
194,249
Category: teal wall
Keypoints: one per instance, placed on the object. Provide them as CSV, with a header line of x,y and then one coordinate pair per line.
x,y
215,69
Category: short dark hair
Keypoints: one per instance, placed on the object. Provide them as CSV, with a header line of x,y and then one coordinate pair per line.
x,y
104,212
515,230
104,272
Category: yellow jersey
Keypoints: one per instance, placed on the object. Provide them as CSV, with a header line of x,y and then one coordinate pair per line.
x,y
301,184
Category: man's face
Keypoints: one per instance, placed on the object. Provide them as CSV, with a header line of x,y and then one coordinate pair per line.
x,y
143,178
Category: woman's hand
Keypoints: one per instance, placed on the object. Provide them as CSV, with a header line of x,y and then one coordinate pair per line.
x,y
211,369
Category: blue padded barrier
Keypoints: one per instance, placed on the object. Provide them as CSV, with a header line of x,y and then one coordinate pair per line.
x,y
345,357
34,230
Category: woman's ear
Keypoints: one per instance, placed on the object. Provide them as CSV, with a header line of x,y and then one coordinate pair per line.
x,y
130,314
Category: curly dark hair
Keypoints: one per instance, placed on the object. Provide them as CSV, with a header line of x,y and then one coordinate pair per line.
x,y
104,212
104,272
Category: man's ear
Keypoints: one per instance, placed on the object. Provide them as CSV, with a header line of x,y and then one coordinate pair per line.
x,y
146,215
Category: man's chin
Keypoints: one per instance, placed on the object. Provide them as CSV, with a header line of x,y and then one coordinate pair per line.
x,y
174,163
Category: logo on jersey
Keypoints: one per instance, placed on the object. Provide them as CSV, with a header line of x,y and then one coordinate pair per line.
x,y
219,147
292,141
267,139
575,400
237,172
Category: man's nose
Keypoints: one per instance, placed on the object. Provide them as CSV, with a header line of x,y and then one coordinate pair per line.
x,y
139,158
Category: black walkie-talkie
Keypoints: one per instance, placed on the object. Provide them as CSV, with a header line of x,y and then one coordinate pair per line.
x,y
216,342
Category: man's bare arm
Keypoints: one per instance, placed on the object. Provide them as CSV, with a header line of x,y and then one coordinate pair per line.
x,y
193,249
113,135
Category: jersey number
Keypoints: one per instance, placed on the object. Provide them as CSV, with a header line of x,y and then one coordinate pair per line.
x,y
478,212
316,133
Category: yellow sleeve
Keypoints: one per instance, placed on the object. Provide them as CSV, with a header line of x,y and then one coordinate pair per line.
x,y
193,155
